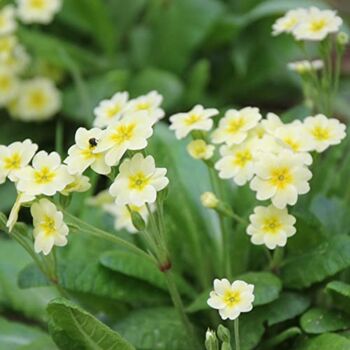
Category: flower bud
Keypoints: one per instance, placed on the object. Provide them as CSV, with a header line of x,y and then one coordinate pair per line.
x,y
342,38
211,341
209,200
137,220
223,334
199,149
226,346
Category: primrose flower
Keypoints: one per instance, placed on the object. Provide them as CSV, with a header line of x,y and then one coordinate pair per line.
x,y
199,149
8,22
82,155
9,86
231,299
209,200
129,133
149,103
305,66
108,111
237,162
17,61
49,228
80,183
22,198
46,176
138,181
198,118
317,24
324,132
280,177
7,45
37,11
289,21
271,226
234,127
271,123
38,99
15,157
123,217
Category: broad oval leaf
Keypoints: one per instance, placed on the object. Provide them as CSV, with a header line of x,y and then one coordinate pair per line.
x,y
328,341
317,321
316,265
84,328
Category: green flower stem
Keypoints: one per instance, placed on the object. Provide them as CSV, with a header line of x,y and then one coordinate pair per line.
x,y
175,297
94,231
277,258
236,328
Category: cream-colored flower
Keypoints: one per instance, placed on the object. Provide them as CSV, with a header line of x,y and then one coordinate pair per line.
x,y
122,215
231,299
9,86
38,99
37,11
294,137
199,149
281,178
49,227
108,111
8,22
80,183
46,176
82,155
271,226
138,181
305,66
271,123
15,157
102,199
129,133
17,61
7,46
198,118
22,198
317,25
149,103
209,200
237,162
324,132
289,21
234,127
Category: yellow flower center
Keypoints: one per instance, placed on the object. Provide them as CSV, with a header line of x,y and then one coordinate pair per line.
x,y
13,162
113,110
281,177
123,133
37,99
48,226
235,125
231,298
271,225
318,25
242,158
199,150
37,4
192,119
138,181
5,83
290,23
44,176
143,106
5,44
320,133
294,145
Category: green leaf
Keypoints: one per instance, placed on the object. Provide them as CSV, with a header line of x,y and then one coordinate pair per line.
x,y
319,263
32,302
17,336
286,307
266,286
328,341
281,338
154,329
339,287
166,83
317,321
84,328
135,266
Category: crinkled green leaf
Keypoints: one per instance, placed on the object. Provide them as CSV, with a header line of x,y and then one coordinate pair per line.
x,y
83,328
319,263
328,341
317,321
154,329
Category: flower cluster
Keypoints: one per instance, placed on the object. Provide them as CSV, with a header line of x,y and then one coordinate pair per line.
x,y
310,24
25,99
273,157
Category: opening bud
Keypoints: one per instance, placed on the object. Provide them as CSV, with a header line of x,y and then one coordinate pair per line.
x,y
209,200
